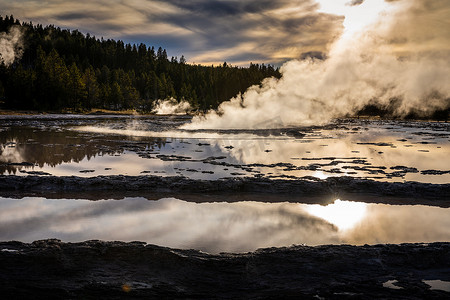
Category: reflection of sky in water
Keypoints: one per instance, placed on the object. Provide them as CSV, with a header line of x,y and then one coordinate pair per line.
x,y
369,150
438,285
214,227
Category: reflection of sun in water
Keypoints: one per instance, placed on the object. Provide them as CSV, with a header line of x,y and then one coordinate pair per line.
x,y
320,175
343,214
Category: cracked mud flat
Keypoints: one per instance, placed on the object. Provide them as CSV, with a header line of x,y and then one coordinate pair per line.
x,y
117,270
113,157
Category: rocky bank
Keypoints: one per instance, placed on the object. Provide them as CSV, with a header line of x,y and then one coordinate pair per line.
x,y
50,269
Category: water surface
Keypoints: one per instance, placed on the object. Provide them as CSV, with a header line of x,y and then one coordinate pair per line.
x,y
216,227
93,146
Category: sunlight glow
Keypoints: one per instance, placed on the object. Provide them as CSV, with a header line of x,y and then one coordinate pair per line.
x,y
343,214
320,175
356,17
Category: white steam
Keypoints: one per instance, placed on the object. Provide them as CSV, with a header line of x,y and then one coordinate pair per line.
x,y
393,58
11,47
171,107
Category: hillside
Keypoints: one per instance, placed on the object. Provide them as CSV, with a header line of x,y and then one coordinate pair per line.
x,y
60,69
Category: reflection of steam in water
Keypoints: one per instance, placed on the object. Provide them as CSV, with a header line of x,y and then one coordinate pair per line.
x,y
396,224
136,131
215,227
9,153
438,285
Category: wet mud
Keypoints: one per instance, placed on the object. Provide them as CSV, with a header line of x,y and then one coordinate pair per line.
x,y
116,270
307,190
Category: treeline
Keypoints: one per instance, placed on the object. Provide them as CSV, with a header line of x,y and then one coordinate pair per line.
x,y
62,69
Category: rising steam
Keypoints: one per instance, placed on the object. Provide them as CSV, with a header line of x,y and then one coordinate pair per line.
x,y
171,107
11,47
403,56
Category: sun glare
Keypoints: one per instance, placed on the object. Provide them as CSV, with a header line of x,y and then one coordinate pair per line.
x,y
343,214
320,175
357,17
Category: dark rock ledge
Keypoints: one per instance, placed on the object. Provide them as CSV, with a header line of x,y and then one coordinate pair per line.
x,y
306,190
51,269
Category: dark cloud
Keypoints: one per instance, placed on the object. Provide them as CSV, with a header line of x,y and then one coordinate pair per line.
x,y
268,25
244,56
162,40
355,2
214,8
71,16
314,55
224,8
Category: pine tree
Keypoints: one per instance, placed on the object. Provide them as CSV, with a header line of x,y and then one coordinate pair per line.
x,y
91,88
77,88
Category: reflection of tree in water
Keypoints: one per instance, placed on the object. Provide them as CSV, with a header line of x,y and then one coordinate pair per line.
x,y
39,148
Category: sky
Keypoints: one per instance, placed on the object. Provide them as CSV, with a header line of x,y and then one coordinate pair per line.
x,y
210,31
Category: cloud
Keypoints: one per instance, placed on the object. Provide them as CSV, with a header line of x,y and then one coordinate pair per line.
x,y
355,2
271,31
205,31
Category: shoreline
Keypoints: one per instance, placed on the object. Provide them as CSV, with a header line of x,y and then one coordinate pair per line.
x,y
68,112
54,269
227,190
100,112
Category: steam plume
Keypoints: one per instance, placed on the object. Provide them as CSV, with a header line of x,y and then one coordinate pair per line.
x,y
11,47
403,56
171,107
